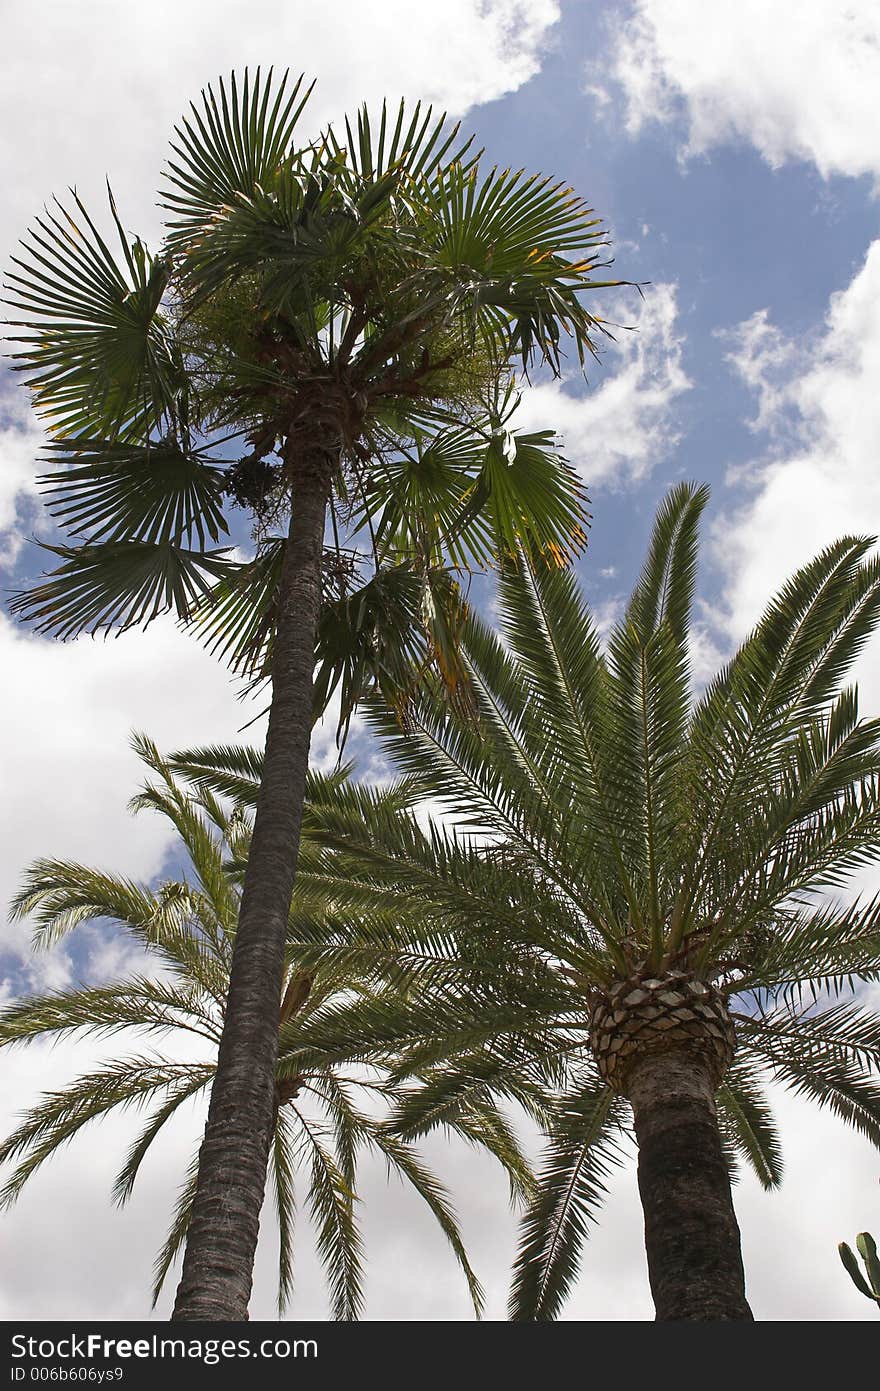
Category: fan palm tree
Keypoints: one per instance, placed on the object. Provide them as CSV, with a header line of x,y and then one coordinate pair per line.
x,y
345,317
324,1115
628,902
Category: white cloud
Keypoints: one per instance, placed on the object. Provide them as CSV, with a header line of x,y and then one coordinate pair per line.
x,y
796,78
97,86
818,479
766,361
20,441
66,712
623,424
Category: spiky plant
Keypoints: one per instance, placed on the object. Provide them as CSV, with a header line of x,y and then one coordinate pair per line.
x,y
632,905
325,1115
326,338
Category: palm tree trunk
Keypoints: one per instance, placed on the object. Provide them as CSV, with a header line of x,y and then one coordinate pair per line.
x,y
691,1233
215,1285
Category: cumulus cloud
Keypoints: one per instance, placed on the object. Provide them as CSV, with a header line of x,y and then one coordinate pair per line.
x,y
623,424
144,63
818,406
20,440
66,712
797,78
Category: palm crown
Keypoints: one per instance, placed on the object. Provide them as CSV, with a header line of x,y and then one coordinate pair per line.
x,y
326,1114
631,869
359,301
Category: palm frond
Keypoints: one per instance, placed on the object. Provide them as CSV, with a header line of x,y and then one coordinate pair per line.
x,y
98,351
117,586
824,1077
780,677
228,148
60,1116
665,589
331,1203
579,1154
189,1087
139,1003
283,1166
155,491
746,1118
523,248
413,143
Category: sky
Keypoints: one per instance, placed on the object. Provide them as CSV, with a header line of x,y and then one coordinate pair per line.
x,y
731,150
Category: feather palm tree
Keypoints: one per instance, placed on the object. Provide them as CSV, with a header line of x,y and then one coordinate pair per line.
x,y
325,1115
326,339
631,908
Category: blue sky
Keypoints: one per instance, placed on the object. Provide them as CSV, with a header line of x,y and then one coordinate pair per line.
x,y
731,152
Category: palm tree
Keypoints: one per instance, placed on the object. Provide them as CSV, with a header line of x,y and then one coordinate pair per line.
x,y
628,903
324,1115
346,318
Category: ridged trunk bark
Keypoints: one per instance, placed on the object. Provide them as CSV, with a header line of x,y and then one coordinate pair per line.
x,y
691,1233
221,1242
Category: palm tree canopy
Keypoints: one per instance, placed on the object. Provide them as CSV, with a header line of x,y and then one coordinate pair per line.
x,y
362,295
603,823
327,1114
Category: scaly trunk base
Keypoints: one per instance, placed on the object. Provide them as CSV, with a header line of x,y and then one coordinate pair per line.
x,y
691,1233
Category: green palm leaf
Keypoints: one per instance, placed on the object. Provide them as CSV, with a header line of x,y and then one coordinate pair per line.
x,y
118,586
61,1115
97,349
748,1121
570,1191
228,147
417,143
331,1202
115,493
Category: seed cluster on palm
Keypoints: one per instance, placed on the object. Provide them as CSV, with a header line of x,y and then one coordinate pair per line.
x,y
627,912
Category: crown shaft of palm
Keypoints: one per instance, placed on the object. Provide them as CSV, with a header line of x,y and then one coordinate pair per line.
x,y
336,307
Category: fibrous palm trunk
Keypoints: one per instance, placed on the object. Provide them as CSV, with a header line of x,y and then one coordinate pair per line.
x,y
691,1234
215,1285
665,1043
